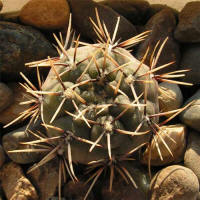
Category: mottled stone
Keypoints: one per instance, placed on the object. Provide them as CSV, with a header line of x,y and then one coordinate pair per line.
x,y
177,145
188,28
170,97
174,182
15,184
161,25
82,10
46,14
192,154
191,115
19,45
6,96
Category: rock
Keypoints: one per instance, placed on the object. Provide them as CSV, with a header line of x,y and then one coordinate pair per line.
x,y
178,134
46,14
174,182
134,11
45,179
190,60
19,45
1,5
15,184
6,96
2,156
14,110
82,10
11,141
188,28
192,158
162,26
77,191
191,115
170,97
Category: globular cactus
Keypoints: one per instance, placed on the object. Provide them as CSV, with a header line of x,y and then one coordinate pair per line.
x,y
99,105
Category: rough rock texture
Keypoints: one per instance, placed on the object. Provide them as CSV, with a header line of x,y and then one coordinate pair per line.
x,y
13,111
178,134
45,179
174,182
2,156
192,154
190,59
191,115
46,14
161,26
15,184
170,97
6,96
83,9
134,11
188,28
19,45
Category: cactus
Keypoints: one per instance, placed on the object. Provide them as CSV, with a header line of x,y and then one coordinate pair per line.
x,y
99,105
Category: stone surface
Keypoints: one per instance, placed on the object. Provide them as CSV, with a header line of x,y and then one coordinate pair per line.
x,y
190,59
21,44
188,28
15,184
46,14
13,111
83,9
192,154
134,11
6,96
2,156
11,141
178,134
45,179
174,182
161,25
191,115
170,97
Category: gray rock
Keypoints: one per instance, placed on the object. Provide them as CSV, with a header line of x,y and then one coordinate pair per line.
x,y
188,28
162,25
6,96
191,115
174,182
192,154
83,9
190,60
19,45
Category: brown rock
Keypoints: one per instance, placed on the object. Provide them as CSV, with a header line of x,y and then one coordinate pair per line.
x,y
178,134
188,28
45,179
14,110
6,96
15,184
162,26
192,154
174,182
82,10
46,14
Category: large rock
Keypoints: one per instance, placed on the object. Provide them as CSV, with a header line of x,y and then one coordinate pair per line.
x,y
177,133
174,182
6,96
15,184
134,11
190,60
161,25
82,10
46,14
191,115
188,28
192,154
19,45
